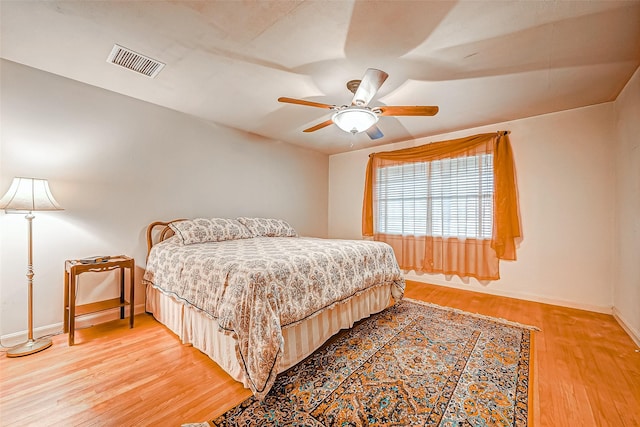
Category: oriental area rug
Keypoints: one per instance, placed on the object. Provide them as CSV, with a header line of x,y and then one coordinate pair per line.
x,y
412,364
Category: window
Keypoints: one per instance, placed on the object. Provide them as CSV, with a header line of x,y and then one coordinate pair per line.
x,y
448,207
440,198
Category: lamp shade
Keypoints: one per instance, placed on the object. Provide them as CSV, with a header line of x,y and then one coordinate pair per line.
x,y
29,194
355,120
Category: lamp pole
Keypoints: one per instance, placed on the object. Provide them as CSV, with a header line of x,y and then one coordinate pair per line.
x,y
30,273
31,346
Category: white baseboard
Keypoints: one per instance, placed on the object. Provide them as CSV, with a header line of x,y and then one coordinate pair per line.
x,y
86,321
633,333
516,295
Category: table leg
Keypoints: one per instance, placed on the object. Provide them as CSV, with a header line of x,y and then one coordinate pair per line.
x,y
131,292
72,306
66,302
122,268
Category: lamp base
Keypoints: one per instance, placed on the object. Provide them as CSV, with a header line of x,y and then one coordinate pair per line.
x,y
29,347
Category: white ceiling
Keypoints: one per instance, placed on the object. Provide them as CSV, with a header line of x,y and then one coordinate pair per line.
x,y
481,62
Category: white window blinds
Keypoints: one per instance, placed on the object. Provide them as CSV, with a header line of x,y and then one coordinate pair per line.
x,y
444,198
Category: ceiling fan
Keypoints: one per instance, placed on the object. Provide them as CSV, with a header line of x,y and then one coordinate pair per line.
x,y
359,117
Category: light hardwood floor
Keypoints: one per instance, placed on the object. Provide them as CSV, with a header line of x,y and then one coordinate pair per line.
x,y
587,371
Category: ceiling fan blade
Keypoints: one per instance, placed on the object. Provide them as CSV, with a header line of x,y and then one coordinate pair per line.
x,y
319,126
303,102
415,110
368,87
374,132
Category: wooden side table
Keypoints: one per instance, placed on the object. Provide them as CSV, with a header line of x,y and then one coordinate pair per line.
x,y
73,268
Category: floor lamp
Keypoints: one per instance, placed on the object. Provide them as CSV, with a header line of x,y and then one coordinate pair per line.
x,y
29,195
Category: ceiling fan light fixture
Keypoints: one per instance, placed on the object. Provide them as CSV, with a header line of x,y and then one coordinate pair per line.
x,y
354,120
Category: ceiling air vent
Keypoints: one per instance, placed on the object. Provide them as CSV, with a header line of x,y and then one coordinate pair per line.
x,y
134,61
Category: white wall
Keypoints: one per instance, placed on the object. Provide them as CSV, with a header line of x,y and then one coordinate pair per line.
x,y
116,164
626,284
565,173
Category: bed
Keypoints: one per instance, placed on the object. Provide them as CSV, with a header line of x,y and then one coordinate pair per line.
x,y
256,297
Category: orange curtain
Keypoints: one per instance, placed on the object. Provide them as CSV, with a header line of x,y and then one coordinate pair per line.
x,y
448,255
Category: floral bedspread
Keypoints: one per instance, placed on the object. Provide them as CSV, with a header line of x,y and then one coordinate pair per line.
x,y
254,287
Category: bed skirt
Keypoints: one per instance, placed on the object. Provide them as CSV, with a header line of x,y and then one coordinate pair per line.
x,y
194,327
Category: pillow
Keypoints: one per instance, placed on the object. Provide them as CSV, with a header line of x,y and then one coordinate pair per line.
x,y
201,230
268,227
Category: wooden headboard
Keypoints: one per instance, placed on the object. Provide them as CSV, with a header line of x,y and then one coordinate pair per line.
x,y
159,231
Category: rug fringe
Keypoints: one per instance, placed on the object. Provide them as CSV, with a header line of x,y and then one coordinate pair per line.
x,y
478,315
533,410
